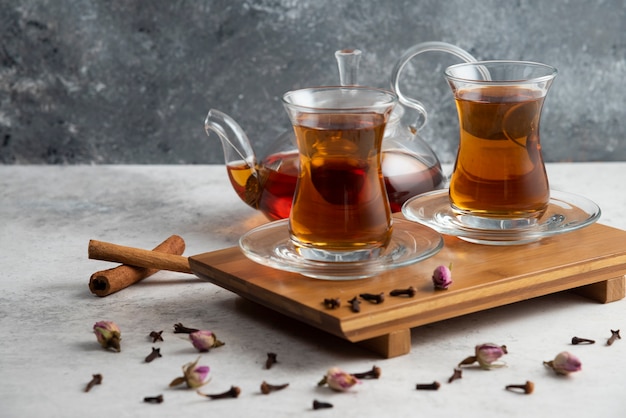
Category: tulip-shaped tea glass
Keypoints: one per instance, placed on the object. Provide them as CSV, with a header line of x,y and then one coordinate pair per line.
x,y
499,178
340,208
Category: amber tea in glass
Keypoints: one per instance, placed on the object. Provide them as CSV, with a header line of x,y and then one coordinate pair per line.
x,y
499,171
340,207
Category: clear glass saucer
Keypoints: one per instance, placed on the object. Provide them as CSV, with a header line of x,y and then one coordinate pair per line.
x,y
566,212
271,246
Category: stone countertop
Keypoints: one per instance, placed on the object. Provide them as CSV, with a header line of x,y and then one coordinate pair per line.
x,y
48,351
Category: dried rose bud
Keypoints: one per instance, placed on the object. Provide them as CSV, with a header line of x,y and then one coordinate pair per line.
x,y
442,277
204,340
564,363
108,335
193,375
486,355
338,380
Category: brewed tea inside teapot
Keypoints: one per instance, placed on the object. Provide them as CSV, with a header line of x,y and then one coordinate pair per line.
x,y
409,165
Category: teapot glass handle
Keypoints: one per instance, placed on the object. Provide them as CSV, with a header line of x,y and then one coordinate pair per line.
x,y
410,54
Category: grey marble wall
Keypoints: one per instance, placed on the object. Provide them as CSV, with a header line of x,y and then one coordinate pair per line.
x,y
95,81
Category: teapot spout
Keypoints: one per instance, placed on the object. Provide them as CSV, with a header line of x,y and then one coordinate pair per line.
x,y
238,155
235,142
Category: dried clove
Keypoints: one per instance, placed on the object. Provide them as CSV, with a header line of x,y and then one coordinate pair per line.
x,y
233,392
266,388
373,297
271,360
409,291
332,303
576,340
374,373
156,336
95,380
156,353
614,336
458,374
527,388
428,386
321,405
355,305
153,399
181,329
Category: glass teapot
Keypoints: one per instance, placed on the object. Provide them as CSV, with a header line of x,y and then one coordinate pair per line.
x,y
409,165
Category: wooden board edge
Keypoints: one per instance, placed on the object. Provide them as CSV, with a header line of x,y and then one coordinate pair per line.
x,y
274,301
601,283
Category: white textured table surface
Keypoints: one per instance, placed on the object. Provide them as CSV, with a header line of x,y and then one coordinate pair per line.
x,y
48,351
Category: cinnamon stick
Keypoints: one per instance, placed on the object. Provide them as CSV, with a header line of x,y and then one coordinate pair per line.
x,y
105,282
106,251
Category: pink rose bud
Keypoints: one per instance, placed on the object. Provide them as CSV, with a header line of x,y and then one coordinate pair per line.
x,y
487,354
338,380
108,335
442,277
194,376
564,363
198,376
204,340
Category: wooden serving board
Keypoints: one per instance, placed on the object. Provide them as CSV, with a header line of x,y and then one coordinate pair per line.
x,y
591,260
